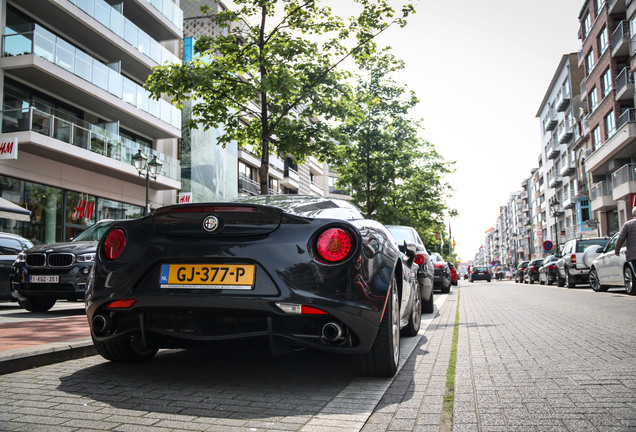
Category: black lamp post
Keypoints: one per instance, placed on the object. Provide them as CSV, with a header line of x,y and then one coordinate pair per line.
x,y
554,210
148,169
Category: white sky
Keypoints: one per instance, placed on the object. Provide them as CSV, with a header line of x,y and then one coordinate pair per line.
x,y
481,70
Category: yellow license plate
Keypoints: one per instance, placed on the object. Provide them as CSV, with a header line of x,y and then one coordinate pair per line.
x,y
207,276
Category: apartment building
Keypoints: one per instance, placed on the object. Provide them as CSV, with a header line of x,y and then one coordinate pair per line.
x,y
606,31
212,172
560,108
75,111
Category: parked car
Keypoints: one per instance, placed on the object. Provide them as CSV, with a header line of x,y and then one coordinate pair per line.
x,y
571,266
298,271
49,272
531,273
611,271
453,274
548,271
442,273
520,270
404,235
10,246
480,273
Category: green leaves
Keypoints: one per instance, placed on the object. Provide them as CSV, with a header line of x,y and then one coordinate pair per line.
x,y
391,172
274,80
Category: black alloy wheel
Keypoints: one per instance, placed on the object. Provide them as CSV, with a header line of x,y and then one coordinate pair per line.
x,y
383,358
628,277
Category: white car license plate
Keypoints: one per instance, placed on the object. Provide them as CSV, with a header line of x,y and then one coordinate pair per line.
x,y
45,279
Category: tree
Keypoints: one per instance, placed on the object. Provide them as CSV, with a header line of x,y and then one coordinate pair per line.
x,y
394,175
278,88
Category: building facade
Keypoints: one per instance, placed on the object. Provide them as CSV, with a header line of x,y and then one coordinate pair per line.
x,y
75,111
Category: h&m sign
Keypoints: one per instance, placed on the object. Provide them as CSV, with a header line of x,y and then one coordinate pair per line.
x,y
9,148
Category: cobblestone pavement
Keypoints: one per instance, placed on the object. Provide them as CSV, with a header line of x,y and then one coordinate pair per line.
x,y
529,358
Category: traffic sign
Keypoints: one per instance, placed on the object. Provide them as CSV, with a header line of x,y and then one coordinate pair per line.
x,y
547,245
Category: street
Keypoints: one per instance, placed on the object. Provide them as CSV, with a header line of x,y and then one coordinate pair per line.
x,y
529,358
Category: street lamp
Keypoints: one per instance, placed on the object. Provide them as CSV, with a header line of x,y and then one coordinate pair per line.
x,y
149,169
554,210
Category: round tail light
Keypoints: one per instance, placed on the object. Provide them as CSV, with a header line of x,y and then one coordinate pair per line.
x,y
114,244
334,245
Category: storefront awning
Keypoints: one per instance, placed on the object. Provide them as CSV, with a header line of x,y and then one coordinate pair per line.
x,y
8,210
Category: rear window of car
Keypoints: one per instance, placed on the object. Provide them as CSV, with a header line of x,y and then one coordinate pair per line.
x,y
480,268
581,245
402,234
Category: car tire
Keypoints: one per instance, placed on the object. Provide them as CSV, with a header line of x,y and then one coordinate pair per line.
x,y
559,281
383,358
595,282
415,319
428,306
489,280
531,280
628,278
37,305
125,350
446,290
568,280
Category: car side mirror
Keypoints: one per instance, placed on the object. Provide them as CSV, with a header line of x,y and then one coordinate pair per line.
x,y
410,249
600,249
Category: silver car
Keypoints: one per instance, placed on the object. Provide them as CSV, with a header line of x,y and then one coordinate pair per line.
x,y
610,271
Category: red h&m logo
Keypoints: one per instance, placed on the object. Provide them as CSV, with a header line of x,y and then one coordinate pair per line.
x,y
84,209
9,148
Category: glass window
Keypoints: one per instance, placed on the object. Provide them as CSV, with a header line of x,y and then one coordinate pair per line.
x,y
589,61
100,75
80,208
610,124
606,82
593,99
603,40
115,83
116,22
130,32
587,23
596,137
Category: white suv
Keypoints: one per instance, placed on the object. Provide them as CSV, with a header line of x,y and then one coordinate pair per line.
x,y
571,267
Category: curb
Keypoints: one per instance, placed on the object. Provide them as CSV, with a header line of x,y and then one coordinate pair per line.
x,y
42,355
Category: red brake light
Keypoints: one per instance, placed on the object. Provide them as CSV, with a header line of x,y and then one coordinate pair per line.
x,y
440,265
114,244
121,304
334,244
309,310
573,259
552,267
420,259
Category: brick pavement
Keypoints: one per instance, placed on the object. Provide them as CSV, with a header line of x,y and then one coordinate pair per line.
x,y
530,358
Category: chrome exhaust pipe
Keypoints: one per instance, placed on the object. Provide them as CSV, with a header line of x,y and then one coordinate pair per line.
x,y
101,324
332,332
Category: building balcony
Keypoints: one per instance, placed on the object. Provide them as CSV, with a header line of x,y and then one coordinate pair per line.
x,y
291,179
565,134
601,197
620,145
555,181
315,189
568,201
624,182
102,28
550,121
621,40
615,7
58,137
553,150
563,99
248,186
567,168
44,60
624,85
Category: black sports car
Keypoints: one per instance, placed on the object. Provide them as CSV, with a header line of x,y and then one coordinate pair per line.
x,y
300,271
